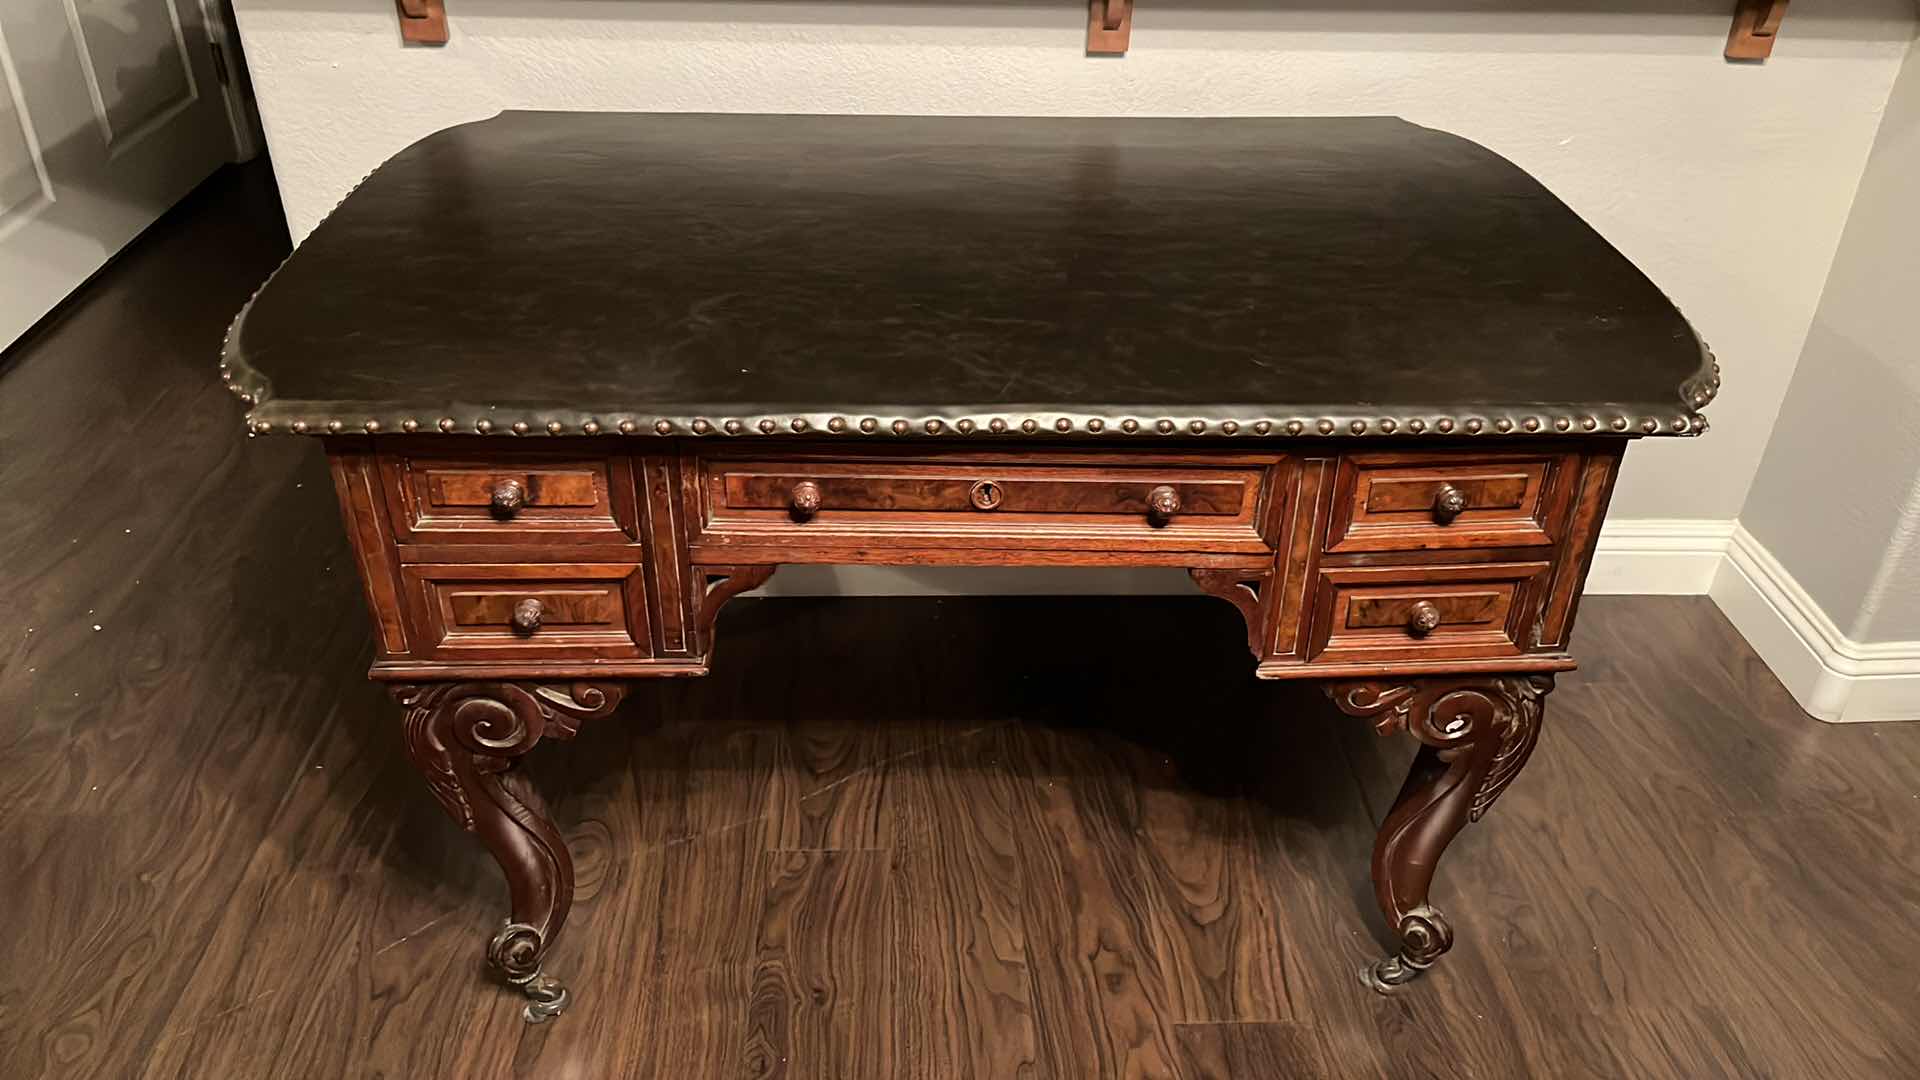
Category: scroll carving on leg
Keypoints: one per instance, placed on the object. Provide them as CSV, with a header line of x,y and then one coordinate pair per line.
x,y
1475,733
467,738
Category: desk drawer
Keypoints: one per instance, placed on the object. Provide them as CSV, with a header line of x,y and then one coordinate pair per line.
x,y
1402,502
1467,611
1060,503
528,611
518,496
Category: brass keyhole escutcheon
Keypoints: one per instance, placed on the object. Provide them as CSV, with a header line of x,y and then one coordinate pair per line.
x,y
986,495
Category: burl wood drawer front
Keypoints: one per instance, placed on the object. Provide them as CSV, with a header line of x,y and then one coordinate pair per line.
x,y
1402,502
869,501
521,496
528,611
1426,612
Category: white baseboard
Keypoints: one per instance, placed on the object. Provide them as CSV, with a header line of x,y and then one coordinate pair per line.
x,y
1663,557
1833,677
1658,556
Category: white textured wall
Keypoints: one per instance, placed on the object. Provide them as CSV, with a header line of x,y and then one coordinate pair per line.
x,y
1837,499
1728,184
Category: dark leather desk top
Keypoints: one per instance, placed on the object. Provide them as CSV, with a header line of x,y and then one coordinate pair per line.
x,y
664,273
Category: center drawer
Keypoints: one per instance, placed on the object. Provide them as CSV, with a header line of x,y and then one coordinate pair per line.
x,y
1064,503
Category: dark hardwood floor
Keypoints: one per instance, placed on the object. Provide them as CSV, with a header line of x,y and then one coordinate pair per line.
x,y
886,838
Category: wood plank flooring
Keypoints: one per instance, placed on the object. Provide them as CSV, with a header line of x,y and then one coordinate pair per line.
x,y
886,838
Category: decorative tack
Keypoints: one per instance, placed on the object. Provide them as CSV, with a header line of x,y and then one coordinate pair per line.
x,y
628,427
1443,425
1358,426
1697,423
933,427
1263,426
592,427
799,423
518,427
1588,423
1387,426
900,427
1473,426
372,426
555,427
446,424
1618,423
1229,427
733,427
262,427
1129,425
1096,425
996,425
1649,425
1063,425
1416,425
1679,423
247,400
1531,423
482,425
837,424
701,427
766,426
1029,425
1164,427
1294,427
1197,426
963,426
1503,425
299,427
1324,427
1561,423
409,425
869,425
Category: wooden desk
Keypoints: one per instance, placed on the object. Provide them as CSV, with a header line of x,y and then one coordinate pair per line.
x,y
584,377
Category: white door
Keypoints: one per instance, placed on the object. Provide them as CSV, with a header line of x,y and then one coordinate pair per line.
x,y
110,111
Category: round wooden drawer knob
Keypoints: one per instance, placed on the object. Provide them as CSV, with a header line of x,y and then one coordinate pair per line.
x,y
1162,503
805,500
526,616
507,497
1448,504
1423,618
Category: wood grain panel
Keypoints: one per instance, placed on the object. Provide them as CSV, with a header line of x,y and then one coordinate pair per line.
x,y
440,491
463,612
1387,501
1038,501
1485,610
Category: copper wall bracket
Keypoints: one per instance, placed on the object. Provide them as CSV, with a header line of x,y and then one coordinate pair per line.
x,y
1756,23
423,22
1109,27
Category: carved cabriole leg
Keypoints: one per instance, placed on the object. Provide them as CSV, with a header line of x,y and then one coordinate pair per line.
x,y
1475,734
466,738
